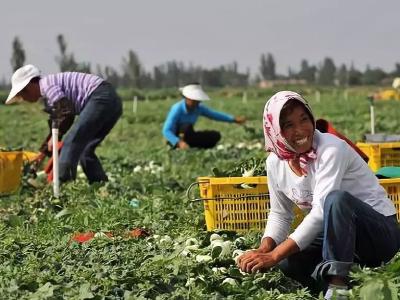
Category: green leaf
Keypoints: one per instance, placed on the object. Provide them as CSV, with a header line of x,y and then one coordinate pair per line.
x,y
44,292
86,221
14,220
63,213
84,292
372,290
394,266
390,291
218,173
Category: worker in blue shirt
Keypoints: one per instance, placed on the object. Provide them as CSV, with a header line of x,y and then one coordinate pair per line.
x,y
178,127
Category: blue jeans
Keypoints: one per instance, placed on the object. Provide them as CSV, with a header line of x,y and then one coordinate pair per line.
x,y
353,233
98,117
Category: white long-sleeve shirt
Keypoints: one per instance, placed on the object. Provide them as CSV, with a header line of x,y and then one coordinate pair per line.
x,y
337,167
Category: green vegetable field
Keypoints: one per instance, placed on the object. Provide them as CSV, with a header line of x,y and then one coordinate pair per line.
x,y
172,256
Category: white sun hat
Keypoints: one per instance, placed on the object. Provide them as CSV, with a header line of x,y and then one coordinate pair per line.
x,y
194,92
20,79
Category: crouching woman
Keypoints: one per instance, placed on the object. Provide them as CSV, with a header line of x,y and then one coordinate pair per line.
x,y
349,216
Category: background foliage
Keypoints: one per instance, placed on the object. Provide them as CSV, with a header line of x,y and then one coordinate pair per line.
x,y
173,73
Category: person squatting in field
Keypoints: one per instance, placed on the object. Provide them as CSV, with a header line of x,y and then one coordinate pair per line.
x,y
178,128
69,94
350,218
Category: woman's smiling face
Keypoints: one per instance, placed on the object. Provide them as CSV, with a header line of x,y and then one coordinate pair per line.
x,y
297,126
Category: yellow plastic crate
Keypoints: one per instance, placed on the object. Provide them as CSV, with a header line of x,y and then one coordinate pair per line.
x,y
237,203
29,156
10,171
230,206
392,187
381,154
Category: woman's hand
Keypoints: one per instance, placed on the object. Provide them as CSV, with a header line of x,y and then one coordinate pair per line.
x,y
240,119
256,260
182,145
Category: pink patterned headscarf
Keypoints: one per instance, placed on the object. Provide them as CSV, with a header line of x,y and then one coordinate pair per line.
x,y
274,141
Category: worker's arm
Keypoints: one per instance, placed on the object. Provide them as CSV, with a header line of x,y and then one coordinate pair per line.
x,y
44,148
220,116
215,115
267,245
170,126
275,245
65,115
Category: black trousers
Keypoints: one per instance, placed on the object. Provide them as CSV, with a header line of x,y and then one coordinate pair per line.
x,y
204,139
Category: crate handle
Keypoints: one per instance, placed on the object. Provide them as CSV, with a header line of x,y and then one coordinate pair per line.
x,y
189,189
237,197
230,198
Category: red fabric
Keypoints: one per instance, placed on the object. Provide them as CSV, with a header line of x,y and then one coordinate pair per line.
x,y
83,237
326,127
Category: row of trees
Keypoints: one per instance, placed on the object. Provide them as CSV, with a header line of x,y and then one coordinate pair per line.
x,y
327,73
175,73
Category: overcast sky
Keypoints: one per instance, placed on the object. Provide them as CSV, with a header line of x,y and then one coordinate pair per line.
x,y
207,32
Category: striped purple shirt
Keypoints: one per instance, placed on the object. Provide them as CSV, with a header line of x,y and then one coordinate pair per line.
x,y
74,86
